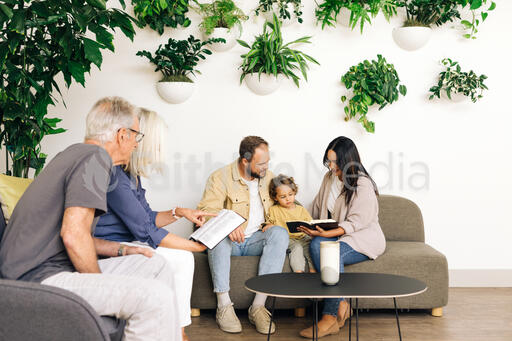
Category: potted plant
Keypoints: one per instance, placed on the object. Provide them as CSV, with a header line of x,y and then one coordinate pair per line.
x,y
477,11
371,82
40,42
268,58
351,13
286,10
160,14
456,84
219,21
177,61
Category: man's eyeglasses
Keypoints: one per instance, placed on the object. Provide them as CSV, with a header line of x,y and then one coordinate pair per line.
x,y
138,135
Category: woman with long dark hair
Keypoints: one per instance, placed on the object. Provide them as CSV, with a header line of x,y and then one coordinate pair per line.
x,y
348,195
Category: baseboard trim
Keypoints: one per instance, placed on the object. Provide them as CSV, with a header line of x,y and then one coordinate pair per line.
x,y
480,277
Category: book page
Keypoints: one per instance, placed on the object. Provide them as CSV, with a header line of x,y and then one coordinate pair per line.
x,y
218,228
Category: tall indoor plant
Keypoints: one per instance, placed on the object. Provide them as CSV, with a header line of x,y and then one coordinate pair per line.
x,y
221,19
371,82
268,57
40,40
177,61
353,12
159,14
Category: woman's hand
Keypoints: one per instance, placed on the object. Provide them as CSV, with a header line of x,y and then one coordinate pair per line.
x,y
198,247
135,250
319,232
198,217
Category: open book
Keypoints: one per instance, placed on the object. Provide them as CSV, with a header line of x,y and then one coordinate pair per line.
x,y
326,224
217,228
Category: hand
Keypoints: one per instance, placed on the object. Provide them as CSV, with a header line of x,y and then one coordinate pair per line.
x,y
199,247
266,227
319,232
198,217
135,250
237,235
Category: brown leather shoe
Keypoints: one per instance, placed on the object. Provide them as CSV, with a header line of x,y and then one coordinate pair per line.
x,y
308,332
344,313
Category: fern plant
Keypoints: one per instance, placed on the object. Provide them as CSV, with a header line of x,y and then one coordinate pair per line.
x,y
220,13
177,59
455,81
159,14
361,11
372,82
268,54
282,8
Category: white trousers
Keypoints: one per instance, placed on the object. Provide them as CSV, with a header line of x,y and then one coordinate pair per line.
x,y
135,288
182,265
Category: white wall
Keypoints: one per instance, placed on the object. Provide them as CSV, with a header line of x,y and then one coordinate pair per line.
x,y
463,148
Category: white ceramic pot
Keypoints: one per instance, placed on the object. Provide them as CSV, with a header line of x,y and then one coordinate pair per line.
x,y
330,262
455,97
343,17
264,85
175,92
411,38
230,35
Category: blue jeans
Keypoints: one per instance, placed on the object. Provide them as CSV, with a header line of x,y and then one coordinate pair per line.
x,y
271,245
347,256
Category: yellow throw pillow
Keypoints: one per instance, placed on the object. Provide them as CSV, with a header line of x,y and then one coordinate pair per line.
x,y
11,190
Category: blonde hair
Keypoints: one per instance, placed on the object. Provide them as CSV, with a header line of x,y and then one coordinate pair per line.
x,y
150,154
106,117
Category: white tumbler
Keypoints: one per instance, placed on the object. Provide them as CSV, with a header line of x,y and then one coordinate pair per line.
x,y
330,262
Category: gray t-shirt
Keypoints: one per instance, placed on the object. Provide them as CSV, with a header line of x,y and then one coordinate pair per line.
x,y
31,248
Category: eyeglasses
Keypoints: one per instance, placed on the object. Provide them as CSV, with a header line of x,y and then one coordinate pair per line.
x,y
138,135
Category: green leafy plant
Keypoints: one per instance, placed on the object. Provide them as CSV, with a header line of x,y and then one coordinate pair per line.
x,y
455,81
361,11
159,14
282,8
268,54
220,13
177,59
477,11
372,82
41,41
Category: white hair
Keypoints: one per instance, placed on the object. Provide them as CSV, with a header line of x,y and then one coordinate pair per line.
x,y
107,116
150,154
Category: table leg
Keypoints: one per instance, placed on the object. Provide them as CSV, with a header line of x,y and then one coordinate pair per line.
x,y
357,319
271,317
350,319
397,321
315,325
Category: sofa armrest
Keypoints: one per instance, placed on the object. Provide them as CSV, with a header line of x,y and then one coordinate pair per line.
x,y
31,311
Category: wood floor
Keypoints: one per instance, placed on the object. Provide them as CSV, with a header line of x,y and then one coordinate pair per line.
x,y
482,314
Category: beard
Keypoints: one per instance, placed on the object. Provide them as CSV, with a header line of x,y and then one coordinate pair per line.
x,y
249,171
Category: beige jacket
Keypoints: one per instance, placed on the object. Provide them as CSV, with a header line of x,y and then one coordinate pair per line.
x,y
225,189
359,219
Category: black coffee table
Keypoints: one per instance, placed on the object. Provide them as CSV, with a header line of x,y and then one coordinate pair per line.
x,y
351,285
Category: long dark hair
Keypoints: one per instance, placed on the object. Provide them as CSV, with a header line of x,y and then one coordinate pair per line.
x,y
349,162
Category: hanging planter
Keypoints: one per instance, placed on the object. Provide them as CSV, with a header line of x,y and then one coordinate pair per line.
x,y
229,35
175,92
412,37
288,11
263,84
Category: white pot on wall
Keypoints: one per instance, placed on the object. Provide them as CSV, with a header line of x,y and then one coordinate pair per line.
x,y
264,85
175,92
411,38
231,35
343,17
456,97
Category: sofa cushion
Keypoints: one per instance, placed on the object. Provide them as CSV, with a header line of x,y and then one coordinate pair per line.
x,y
11,190
400,219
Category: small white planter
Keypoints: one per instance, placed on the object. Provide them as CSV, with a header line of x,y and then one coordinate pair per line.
x,y
411,38
264,85
343,17
230,35
455,97
175,92
284,22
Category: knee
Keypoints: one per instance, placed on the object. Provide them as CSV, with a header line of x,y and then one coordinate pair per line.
x,y
279,235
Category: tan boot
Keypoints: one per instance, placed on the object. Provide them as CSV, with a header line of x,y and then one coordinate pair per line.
x,y
308,332
344,313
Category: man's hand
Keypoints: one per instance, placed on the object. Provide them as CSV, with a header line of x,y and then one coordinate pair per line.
x,y
199,247
135,250
198,217
237,235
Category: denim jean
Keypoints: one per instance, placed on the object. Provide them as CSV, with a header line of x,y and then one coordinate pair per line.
x,y
271,245
347,256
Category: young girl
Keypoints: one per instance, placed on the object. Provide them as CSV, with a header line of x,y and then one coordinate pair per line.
x,y
283,190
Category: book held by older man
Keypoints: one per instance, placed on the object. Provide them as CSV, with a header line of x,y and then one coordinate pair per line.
x,y
325,224
217,228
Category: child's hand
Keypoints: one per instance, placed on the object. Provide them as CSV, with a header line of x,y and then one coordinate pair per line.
x,y
266,227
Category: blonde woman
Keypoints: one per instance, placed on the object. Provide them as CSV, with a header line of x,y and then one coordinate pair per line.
x,y
131,220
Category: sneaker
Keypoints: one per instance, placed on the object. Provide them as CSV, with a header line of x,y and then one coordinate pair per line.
x,y
260,317
227,320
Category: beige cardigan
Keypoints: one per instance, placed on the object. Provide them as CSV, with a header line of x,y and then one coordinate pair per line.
x,y
359,219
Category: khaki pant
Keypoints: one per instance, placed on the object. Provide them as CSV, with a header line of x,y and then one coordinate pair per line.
x,y
299,254
135,288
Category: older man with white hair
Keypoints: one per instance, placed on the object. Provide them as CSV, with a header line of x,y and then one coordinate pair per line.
x,y
49,236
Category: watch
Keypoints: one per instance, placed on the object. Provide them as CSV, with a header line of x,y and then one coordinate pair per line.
x,y
173,212
120,251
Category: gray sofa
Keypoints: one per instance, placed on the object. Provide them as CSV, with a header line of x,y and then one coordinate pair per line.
x,y
31,311
406,254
